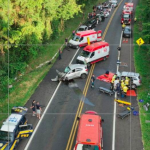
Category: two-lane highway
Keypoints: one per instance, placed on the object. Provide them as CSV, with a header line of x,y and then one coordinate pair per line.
x,y
57,129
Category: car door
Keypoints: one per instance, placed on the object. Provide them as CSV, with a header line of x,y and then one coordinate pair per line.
x,y
92,56
25,131
78,72
71,75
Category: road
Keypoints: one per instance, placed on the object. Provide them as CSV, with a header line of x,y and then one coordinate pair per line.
x,y
54,130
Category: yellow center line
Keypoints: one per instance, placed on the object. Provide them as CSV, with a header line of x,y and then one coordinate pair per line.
x,y
81,104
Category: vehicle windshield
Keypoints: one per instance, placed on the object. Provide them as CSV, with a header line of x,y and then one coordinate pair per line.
x,y
126,16
6,136
67,69
87,147
85,54
81,29
76,38
127,30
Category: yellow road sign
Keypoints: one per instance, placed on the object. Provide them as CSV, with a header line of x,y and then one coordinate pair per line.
x,y
140,41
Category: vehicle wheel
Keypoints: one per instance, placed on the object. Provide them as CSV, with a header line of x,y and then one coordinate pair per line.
x,y
133,86
77,47
66,79
104,58
103,91
110,94
83,76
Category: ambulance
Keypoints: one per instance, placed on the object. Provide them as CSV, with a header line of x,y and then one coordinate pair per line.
x,y
128,7
81,39
93,53
90,133
14,129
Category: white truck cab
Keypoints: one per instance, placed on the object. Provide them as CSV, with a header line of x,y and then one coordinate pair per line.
x,y
94,53
80,39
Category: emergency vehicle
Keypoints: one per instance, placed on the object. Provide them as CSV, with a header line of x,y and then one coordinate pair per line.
x,y
126,17
90,133
128,7
80,39
14,129
93,53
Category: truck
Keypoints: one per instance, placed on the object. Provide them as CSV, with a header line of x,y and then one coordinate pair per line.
x,y
80,39
14,129
93,53
90,133
128,7
126,17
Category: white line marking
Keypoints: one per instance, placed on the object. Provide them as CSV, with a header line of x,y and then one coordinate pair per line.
x,y
114,113
30,140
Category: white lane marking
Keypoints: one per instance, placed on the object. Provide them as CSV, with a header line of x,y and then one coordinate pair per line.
x,y
30,140
114,113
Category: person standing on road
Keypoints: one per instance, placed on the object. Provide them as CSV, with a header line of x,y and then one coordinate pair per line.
x,y
115,83
38,110
33,107
92,80
66,41
73,33
60,52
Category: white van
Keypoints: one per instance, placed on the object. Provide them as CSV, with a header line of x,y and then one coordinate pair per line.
x,y
80,39
94,53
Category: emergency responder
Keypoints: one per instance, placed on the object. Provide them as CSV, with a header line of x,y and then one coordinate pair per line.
x,y
112,81
125,89
135,19
123,26
127,81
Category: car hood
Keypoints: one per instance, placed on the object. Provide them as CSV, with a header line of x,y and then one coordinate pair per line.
x,y
81,58
74,42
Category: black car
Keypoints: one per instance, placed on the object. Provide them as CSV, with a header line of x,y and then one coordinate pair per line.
x,y
91,23
127,32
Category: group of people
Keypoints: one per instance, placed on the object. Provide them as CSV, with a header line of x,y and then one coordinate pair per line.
x,y
36,109
120,86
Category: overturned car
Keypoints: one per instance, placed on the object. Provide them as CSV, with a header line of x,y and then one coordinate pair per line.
x,y
71,72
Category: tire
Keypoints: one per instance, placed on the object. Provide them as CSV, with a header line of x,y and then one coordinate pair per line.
x,y
104,58
77,47
83,76
110,94
133,86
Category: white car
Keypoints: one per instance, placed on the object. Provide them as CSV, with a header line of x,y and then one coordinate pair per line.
x,y
82,28
71,72
134,78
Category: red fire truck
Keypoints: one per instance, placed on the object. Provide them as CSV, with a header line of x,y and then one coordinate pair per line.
x,y
126,17
90,134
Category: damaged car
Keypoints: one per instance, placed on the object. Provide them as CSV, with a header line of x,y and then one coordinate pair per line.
x,y
72,71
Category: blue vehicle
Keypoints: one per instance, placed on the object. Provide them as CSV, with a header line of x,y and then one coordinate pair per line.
x,y
14,128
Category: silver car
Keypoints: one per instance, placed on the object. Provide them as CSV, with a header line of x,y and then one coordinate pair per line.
x,y
134,77
82,28
71,72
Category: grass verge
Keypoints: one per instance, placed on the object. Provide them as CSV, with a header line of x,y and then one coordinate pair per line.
x,y
26,85
142,65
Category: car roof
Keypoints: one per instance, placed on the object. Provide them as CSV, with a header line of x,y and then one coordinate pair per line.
x,y
89,130
86,33
93,47
82,26
74,66
11,122
130,74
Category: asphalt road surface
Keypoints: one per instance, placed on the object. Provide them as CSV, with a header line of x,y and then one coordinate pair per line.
x,y
54,130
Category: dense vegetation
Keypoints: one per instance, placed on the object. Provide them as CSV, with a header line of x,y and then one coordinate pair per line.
x,y
25,26
142,64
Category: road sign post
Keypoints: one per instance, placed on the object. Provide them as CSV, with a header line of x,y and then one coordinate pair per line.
x,y
140,42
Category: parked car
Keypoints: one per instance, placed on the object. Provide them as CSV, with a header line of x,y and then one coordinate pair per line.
x,y
82,28
127,32
72,71
135,79
91,23
114,4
